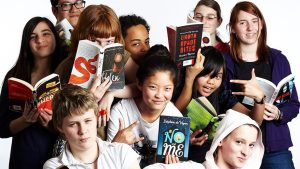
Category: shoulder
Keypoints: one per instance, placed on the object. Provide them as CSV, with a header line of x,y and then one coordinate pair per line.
x,y
123,104
53,163
171,110
117,150
182,165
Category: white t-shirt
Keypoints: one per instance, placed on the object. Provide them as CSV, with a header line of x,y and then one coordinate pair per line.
x,y
112,155
128,111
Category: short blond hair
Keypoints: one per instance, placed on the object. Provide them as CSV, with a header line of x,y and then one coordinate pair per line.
x,y
71,100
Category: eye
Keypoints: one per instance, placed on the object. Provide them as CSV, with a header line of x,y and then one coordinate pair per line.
x,y
251,145
66,5
168,88
136,44
72,124
219,77
32,37
238,142
152,87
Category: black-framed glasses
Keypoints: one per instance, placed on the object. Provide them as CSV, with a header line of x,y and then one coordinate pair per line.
x,y
200,17
68,6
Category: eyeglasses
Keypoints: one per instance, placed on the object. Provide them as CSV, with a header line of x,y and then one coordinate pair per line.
x,y
209,17
68,6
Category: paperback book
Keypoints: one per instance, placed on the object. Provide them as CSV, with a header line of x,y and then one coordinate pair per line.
x,y
173,137
40,95
203,116
92,60
184,42
274,94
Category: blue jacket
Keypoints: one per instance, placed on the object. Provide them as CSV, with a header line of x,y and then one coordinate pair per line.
x,y
277,133
31,147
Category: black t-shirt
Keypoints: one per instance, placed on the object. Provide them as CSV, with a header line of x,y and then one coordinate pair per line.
x,y
242,70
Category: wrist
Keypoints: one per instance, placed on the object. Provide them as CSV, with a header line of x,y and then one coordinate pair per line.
x,y
260,101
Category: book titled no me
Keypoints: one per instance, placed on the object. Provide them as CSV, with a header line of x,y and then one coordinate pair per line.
x,y
173,137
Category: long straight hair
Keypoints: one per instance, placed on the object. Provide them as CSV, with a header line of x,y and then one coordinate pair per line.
x,y
25,61
235,49
214,62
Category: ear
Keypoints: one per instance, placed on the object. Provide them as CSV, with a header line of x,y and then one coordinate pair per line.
x,y
139,84
220,143
54,11
220,22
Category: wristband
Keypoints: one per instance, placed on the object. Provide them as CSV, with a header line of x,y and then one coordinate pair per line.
x,y
261,102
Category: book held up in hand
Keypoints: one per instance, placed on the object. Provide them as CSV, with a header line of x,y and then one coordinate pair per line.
x,y
173,137
203,116
184,42
40,95
92,60
274,94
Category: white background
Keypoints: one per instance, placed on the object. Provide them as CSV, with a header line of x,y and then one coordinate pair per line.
x,y
281,18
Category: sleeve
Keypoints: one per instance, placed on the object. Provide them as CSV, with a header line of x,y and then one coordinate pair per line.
x,y
6,116
289,110
113,124
128,156
182,165
52,164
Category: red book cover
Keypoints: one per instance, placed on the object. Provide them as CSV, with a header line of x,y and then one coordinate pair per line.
x,y
20,91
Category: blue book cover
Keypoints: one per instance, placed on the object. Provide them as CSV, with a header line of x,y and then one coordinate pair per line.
x,y
173,137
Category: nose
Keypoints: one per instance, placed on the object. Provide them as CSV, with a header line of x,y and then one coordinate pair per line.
x,y
145,47
245,151
250,26
39,39
82,129
211,80
159,93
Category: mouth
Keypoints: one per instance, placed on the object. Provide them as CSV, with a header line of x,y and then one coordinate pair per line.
x,y
207,89
84,140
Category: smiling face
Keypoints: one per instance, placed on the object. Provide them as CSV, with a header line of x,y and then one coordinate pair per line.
x,y
42,41
237,147
208,16
80,130
247,28
72,15
157,91
137,42
206,85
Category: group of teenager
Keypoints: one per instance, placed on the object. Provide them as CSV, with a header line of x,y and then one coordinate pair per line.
x,y
99,131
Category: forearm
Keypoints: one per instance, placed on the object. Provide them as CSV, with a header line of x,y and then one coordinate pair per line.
x,y
128,91
18,125
185,96
257,113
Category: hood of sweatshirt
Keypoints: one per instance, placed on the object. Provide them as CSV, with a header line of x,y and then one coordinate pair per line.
x,y
231,121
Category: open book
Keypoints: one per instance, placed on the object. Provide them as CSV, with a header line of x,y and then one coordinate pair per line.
x,y
92,60
40,95
184,42
173,137
203,116
274,94
206,39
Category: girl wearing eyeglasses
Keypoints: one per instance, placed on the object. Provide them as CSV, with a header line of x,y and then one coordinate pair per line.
x,y
209,13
